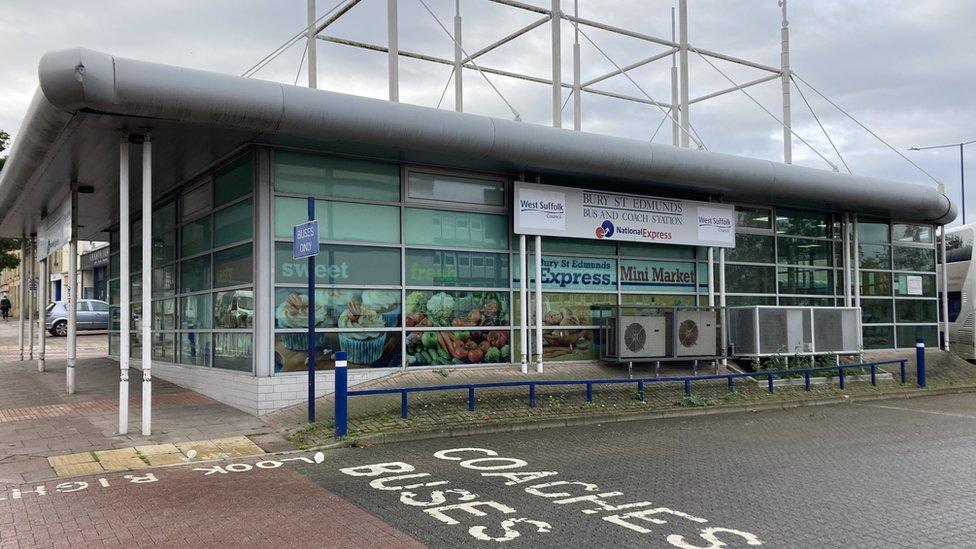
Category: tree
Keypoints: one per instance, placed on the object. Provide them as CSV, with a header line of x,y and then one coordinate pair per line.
x,y
7,245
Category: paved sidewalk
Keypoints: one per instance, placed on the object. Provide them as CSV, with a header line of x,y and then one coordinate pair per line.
x,y
38,419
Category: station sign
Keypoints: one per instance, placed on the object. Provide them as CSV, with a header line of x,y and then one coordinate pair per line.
x,y
549,210
55,230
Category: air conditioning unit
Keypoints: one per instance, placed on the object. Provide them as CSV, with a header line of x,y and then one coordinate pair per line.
x,y
642,337
696,333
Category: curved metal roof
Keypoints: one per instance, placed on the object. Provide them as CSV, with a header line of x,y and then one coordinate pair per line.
x,y
85,97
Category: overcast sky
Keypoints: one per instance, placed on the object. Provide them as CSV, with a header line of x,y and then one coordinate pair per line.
x,y
903,67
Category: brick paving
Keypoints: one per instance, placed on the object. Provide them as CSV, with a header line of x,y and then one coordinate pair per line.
x,y
500,408
38,419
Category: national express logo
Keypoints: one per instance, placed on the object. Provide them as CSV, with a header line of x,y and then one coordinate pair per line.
x,y
605,230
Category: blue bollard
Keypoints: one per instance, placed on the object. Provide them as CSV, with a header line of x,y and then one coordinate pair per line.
x,y
920,361
874,375
471,398
589,392
731,384
532,395
904,374
341,395
640,390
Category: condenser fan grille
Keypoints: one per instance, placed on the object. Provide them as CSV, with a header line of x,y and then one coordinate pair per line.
x,y
635,337
688,333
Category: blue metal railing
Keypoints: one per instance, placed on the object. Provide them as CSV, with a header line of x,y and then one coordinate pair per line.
x,y
343,395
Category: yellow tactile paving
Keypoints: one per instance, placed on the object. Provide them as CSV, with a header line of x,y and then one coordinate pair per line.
x,y
157,449
118,454
125,459
76,469
71,459
205,449
237,446
167,459
122,464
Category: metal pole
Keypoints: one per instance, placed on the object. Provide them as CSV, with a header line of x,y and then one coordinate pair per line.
x,y
22,295
785,64
577,89
711,276
538,304
557,79
72,350
147,285
311,44
458,76
342,394
311,325
394,50
32,253
124,285
523,305
945,287
683,68
675,131
962,180
42,284
721,303
847,259
857,264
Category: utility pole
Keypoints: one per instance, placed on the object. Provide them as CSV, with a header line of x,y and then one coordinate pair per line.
x,y
312,63
785,65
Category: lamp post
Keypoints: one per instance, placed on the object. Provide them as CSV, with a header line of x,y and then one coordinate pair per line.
x,y
962,167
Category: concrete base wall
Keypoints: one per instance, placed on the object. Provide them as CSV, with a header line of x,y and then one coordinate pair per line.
x,y
254,395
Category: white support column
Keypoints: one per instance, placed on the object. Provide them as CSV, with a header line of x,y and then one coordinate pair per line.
x,y
538,304
847,259
22,299
393,50
683,68
72,307
675,114
577,89
125,281
42,284
147,285
311,42
785,66
945,286
557,67
523,306
711,276
721,303
857,264
458,70
32,255
263,271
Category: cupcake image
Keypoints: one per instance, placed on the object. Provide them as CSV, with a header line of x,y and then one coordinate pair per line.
x,y
362,347
293,313
386,303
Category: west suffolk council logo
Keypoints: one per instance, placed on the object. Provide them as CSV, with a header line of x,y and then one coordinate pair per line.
x,y
605,230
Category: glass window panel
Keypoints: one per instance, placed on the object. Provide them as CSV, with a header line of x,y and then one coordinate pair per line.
x,y
871,231
234,351
557,245
752,248
197,201
113,292
878,284
363,350
914,259
234,223
195,274
164,281
233,266
336,264
916,310
114,340
907,336
113,318
164,347
113,242
875,256
659,276
340,220
909,285
637,249
333,177
749,300
135,287
164,314
878,337
164,218
801,251
234,309
569,309
802,223
164,248
456,308
338,308
755,218
806,301
652,300
750,279
805,281
234,181
195,311
459,229
449,268
195,237
452,188
98,306
910,232
876,311
114,266
458,348
195,348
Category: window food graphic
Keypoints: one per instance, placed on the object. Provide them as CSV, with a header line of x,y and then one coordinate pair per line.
x,y
476,317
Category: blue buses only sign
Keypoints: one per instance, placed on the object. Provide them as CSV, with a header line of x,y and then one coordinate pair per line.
x,y
306,242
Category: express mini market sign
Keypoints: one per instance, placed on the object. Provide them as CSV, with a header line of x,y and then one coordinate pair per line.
x,y
578,213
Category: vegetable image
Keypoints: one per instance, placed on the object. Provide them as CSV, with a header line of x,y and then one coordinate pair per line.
x,y
475,355
440,309
429,339
493,355
416,302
